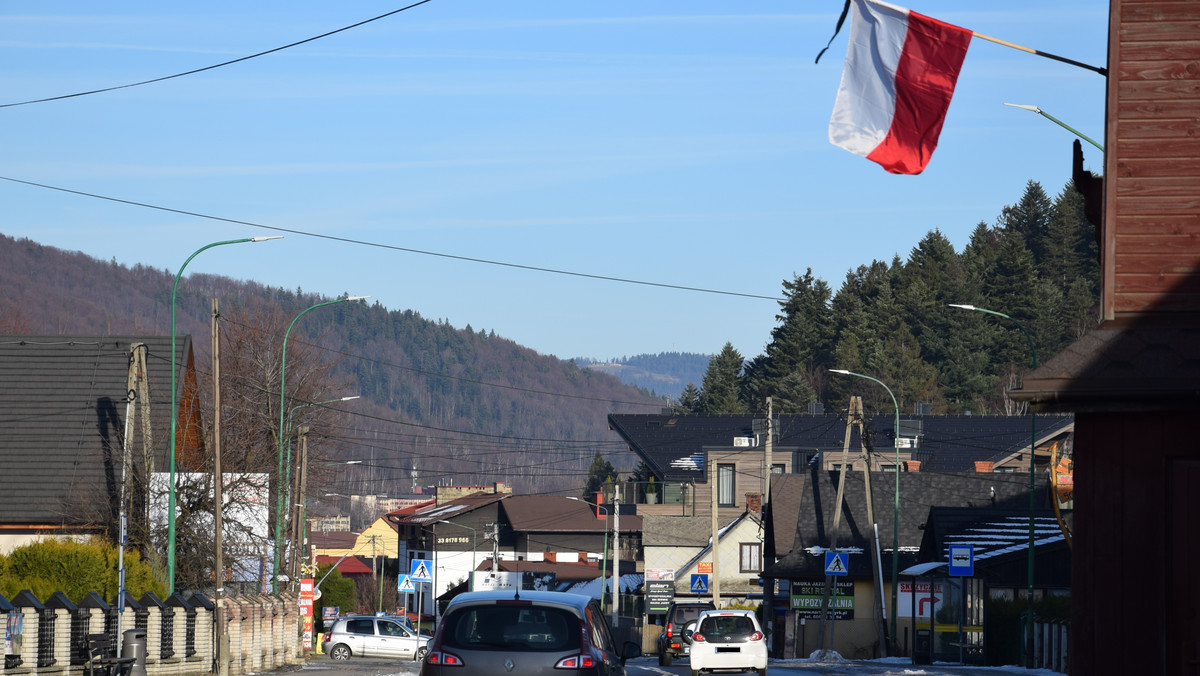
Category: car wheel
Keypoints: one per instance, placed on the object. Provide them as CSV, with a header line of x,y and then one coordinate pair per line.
x,y
695,672
420,656
762,672
664,658
340,652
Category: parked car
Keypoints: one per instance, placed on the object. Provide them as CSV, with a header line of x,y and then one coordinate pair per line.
x,y
366,636
728,641
530,633
672,642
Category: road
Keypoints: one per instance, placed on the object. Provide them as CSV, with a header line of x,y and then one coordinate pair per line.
x,y
648,666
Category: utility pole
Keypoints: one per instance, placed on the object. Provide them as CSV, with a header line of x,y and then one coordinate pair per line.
x,y
876,570
616,622
715,585
854,414
222,647
768,593
495,535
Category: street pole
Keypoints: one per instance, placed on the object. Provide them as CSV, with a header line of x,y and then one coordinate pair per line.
x,y
222,641
279,488
895,506
1027,639
175,412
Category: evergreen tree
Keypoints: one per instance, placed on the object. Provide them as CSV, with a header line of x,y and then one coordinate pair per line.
x,y
722,385
1030,219
600,471
689,400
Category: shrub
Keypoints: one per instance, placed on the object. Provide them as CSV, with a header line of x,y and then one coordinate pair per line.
x,y
74,568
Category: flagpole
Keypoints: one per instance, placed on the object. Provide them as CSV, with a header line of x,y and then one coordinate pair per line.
x,y
1038,52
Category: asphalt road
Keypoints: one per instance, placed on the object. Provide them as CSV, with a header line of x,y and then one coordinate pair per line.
x,y
321,665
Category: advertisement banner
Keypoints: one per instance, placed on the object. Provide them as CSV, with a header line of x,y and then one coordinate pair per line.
x,y
306,611
807,596
904,601
659,595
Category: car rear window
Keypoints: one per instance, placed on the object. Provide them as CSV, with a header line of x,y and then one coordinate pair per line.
x,y
519,628
688,613
360,627
734,626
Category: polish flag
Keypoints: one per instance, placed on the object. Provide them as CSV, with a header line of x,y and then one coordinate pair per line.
x,y
900,72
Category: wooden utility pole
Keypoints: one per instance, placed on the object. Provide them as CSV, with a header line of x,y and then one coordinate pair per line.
x,y
876,570
853,417
715,585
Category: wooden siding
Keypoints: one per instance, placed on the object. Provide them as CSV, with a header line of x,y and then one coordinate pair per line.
x,y
1152,166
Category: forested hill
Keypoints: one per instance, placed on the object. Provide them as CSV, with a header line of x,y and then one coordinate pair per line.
x,y
664,374
446,404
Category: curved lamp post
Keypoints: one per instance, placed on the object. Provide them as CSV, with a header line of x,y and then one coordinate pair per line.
x,y
895,506
1032,473
175,412
279,473
471,576
603,557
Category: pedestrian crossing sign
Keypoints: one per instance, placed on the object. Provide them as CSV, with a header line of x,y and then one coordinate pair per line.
x,y
699,583
405,585
837,563
420,571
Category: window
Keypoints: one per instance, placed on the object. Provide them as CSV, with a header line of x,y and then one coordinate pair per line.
x,y
887,468
778,468
751,558
725,486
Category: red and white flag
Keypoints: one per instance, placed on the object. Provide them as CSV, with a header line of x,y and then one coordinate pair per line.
x,y
900,72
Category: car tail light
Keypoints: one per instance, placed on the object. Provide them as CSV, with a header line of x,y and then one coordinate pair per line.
x,y
698,638
756,636
670,629
577,662
444,659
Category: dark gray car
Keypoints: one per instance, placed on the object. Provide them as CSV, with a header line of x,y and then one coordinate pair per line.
x,y
530,633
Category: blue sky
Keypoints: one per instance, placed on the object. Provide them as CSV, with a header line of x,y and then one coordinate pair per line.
x,y
666,142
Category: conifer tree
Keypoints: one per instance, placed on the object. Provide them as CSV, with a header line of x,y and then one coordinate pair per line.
x,y
721,387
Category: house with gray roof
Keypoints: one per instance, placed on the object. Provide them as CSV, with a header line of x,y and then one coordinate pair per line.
x,y
64,409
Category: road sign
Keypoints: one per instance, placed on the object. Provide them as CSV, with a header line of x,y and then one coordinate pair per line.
x,y
837,563
421,571
405,585
962,560
699,583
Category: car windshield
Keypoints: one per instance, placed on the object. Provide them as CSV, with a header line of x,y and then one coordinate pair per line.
x,y
732,626
512,627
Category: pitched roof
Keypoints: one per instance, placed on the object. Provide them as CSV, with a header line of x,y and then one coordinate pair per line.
x,y
62,417
446,510
919,491
782,513
550,513
350,565
676,531
673,445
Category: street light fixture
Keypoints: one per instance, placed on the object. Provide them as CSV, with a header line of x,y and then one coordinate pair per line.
x,y
279,472
1055,120
895,505
1032,474
604,556
175,411
471,576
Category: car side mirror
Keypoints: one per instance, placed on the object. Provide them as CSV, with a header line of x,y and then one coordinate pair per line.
x,y
630,649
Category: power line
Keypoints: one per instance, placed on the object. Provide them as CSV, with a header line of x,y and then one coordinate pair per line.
x,y
216,65
392,247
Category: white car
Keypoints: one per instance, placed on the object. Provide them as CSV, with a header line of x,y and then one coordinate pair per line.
x,y
366,636
728,641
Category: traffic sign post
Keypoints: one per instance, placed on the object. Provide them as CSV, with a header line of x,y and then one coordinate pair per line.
x,y
699,583
962,560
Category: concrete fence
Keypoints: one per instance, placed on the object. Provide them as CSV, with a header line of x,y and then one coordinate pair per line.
x,y
1050,644
50,637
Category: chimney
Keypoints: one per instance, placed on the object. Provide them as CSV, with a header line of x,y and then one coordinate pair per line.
x,y
912,465
754,503
984,466
500,488
600,501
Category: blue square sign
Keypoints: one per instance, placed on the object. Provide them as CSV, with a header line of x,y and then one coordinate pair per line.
x,y
962,560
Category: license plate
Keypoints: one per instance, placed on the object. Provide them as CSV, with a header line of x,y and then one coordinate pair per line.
x,y
729,650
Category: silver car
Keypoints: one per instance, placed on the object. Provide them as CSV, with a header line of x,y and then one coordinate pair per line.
x,y
366,636
530,633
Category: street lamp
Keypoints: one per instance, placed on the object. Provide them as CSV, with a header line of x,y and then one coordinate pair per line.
x,y
279,472
1055,120
1032,446
895,506
471,576
175,412
604,556
291,415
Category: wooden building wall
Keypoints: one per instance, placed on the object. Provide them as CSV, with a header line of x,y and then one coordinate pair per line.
x,y
1152,159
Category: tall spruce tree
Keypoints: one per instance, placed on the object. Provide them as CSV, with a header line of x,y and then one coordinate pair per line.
x,y
722,383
